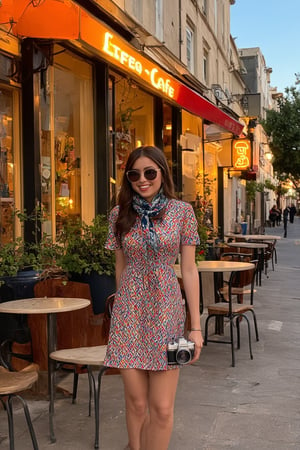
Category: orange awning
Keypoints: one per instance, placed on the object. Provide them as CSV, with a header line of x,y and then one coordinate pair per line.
x,y
57,19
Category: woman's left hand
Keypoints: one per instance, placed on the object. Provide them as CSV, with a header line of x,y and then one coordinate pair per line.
x,y
196,337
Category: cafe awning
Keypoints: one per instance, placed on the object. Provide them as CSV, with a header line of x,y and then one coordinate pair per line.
x,y
57,19
63,19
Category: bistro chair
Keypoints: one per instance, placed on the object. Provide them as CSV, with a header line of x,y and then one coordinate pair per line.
x,y
233,312
269,255
243,282
90,358
74,329
11,384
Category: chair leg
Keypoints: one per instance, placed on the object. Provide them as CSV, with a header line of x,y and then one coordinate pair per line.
x,y
75,386
10,419
90,392
9,409
232,342
249,334
237,322
255,324
206,330
96,391
29,423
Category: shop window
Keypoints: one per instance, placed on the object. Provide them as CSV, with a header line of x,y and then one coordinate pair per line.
x,y
67,141
192,156
9,162
131,124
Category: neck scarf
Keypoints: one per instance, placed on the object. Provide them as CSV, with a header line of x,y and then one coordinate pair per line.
x,y
147,211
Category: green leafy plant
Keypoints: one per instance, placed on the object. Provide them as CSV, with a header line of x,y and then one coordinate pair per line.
x,y
37,254
252,187
79,248
83,247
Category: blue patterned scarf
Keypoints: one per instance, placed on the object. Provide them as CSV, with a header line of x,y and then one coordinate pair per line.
x,y
147,211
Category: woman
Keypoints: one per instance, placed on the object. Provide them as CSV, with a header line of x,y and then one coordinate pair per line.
x,y
148,229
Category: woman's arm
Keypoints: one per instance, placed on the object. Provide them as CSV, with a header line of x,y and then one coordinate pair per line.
x,y
190,278
120,265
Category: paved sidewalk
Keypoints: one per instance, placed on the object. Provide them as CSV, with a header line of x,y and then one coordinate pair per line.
x,y
253,406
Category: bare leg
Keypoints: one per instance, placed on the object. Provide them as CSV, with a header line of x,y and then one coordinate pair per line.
x,y
136,384
157,429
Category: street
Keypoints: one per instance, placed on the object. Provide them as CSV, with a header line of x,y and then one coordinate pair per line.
x,y
253,406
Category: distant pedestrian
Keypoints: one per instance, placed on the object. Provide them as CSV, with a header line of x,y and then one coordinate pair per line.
x,y
292,212
286,213
273,215
278,218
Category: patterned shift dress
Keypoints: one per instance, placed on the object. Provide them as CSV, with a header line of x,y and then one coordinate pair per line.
x,y
148,308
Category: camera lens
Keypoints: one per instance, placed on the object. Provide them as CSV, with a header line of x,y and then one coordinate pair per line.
x,y
183,356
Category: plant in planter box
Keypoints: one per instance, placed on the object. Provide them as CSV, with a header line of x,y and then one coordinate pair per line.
x,y
19,255
86,259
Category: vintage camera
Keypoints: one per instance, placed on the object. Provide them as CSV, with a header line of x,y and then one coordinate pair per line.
x,y
180,351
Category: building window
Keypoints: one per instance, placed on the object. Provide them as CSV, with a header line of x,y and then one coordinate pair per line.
x,y
205,66
190,50
159,19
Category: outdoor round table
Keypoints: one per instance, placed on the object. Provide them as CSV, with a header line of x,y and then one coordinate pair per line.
x,y
257,237
49,306
215,267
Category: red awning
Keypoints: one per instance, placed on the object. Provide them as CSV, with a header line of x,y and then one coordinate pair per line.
x,y
63,19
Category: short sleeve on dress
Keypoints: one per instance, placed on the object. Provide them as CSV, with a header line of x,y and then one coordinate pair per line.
x,y
111,241
189,230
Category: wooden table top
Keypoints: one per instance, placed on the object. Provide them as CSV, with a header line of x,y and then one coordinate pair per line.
x,y
218,266
43,305
262,237
248,245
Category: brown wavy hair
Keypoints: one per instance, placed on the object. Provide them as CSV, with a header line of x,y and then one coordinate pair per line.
x,y
127,215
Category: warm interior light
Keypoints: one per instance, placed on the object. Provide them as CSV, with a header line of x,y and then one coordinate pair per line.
x,y
269,156
168,126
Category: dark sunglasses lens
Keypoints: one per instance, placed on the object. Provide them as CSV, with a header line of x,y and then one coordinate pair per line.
x,y
133,175
150,174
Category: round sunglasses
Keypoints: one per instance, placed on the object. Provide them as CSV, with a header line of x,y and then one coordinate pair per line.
x,y
134,174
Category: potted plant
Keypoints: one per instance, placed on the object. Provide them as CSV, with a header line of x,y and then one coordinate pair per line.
x,y
85,258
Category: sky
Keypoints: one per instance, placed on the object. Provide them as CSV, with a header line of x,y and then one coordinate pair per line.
x,y
274,26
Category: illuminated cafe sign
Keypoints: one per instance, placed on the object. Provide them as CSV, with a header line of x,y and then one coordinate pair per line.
x,y
121,54
241,154
136,66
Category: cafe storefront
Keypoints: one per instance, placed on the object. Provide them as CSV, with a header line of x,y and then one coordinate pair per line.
x,y
85,100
